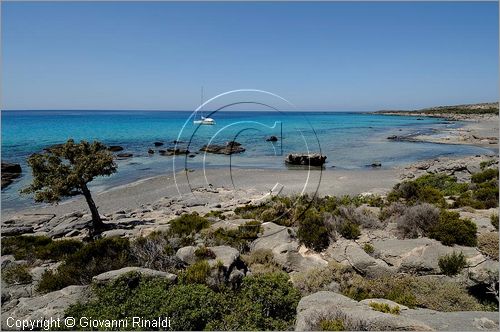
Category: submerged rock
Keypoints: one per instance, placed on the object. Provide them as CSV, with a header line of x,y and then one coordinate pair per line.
x,y
272,139
10,172
314,159
115,148
124,155
158,143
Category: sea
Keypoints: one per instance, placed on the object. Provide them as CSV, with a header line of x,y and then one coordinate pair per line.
x,y
349,140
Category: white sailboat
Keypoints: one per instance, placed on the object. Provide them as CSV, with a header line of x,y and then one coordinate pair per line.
x,y
203,120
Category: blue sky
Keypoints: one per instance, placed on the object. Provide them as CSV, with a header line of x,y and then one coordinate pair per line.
x,y
328,56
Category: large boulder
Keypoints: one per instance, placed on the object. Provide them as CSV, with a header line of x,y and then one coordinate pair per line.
x,y
115,274
354,315
419,256
10,172
365,264
360,316
313,159
51,305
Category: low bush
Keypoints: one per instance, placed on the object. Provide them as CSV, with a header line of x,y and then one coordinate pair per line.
x,y
349,230
385,308
155,252
368,248
488,244
16,274
452,264
216,214
486,163
92,259
239,238
188,224
261,261
417,220
452,230
312,231
317,279
485,175
331,325
494,220
196,273
39,247
417,192
204,253
266,302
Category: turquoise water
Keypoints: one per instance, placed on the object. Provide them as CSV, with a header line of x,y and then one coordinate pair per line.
x,y
349,140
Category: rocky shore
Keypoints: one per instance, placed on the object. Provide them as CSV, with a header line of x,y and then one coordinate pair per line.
x,y
378,252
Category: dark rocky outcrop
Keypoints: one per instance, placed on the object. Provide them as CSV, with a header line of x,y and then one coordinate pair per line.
x,y
375,164
272,139
173,152
10,172
158,143
230,148
115,148
314,159
151,151
124,155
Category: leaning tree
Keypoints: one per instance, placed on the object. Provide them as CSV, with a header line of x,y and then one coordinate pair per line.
x,y
65,170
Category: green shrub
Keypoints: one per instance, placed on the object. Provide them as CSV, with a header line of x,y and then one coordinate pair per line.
x,y
261,261
317,279
488,244
196,273
92,259
312,231
188,224
368,248
217,214
204,252
189,307
418,191
331,325
452,264
447,184
39,247
16,274
486,163
486,175
349,230
494,220
452,230
417,220
263,303
385,308
154,251
238,238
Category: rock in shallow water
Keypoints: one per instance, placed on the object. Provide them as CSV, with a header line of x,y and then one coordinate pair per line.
x,y
10,172
314,159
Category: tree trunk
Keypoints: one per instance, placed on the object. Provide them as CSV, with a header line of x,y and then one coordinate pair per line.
x,y
97,223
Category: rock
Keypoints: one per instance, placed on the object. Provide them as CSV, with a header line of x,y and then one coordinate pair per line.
x,y
454,321
313,159
419,256
6,260
51,305
10,172
16,230
177,151
230,148
354,315
115,148
53,147
393,137
124,155
365,264
186,254
228,256
390,303
115,274
272,139
376,164
158,143
285,248
151,151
